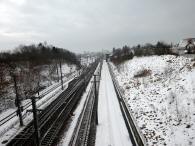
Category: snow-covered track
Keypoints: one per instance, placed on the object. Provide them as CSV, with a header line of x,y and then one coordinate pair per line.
x,y
85,131
53,117
134,131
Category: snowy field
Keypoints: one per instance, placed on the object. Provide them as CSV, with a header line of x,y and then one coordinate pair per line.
x,y
160,91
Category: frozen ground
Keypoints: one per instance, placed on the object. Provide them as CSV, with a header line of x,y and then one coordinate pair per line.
x,y
160,91
111,129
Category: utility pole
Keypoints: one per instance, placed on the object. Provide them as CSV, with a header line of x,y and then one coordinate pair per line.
x,y
96,96
56,53
38,83
61,75
57,71
38,87
17,101
80,60
36,126
85,84
87,60
35,121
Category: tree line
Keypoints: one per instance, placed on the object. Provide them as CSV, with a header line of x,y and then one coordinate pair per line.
x,y
26,63
38,54
125,53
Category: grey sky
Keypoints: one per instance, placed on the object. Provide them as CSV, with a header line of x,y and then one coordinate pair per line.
x,y
83,25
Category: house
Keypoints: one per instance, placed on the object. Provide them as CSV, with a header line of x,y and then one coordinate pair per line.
x,y
185,46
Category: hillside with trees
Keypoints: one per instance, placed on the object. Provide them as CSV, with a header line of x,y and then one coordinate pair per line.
x,y
125,53
32,68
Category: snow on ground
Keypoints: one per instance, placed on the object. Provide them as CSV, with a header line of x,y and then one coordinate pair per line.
x,y
68,68
7,103
48,78
71,70
11,128
111,130
50,75
6,113
87,60
160,91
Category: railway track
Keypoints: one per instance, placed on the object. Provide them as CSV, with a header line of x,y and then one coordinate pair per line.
x,y
85,131
82,129
55,115
135,135
28,104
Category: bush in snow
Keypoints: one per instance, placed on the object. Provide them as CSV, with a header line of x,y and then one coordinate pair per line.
x,y
143,73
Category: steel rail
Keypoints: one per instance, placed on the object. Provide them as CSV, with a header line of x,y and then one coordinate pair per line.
x,y
80,134
85,131
50,135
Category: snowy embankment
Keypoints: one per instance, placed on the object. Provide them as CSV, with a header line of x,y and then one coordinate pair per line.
x,y
160,91
48,77
10,128
7,106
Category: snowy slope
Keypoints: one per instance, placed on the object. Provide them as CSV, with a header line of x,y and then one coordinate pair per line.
x,y
162,98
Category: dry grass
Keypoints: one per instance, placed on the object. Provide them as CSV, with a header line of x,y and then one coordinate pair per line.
x,y
143,73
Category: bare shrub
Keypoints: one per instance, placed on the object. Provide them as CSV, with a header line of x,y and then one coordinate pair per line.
x,y
4,82
193,65
143,73
193,59
127,87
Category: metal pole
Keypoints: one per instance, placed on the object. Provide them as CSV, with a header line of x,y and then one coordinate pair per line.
x,y
37,134
38,86
57,71
61,75
85,84
96,98
18,103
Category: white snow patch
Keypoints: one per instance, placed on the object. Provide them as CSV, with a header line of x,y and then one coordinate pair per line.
x,y
163,101
111,129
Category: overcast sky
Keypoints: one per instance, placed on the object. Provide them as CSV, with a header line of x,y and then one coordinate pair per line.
x,y
83,25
